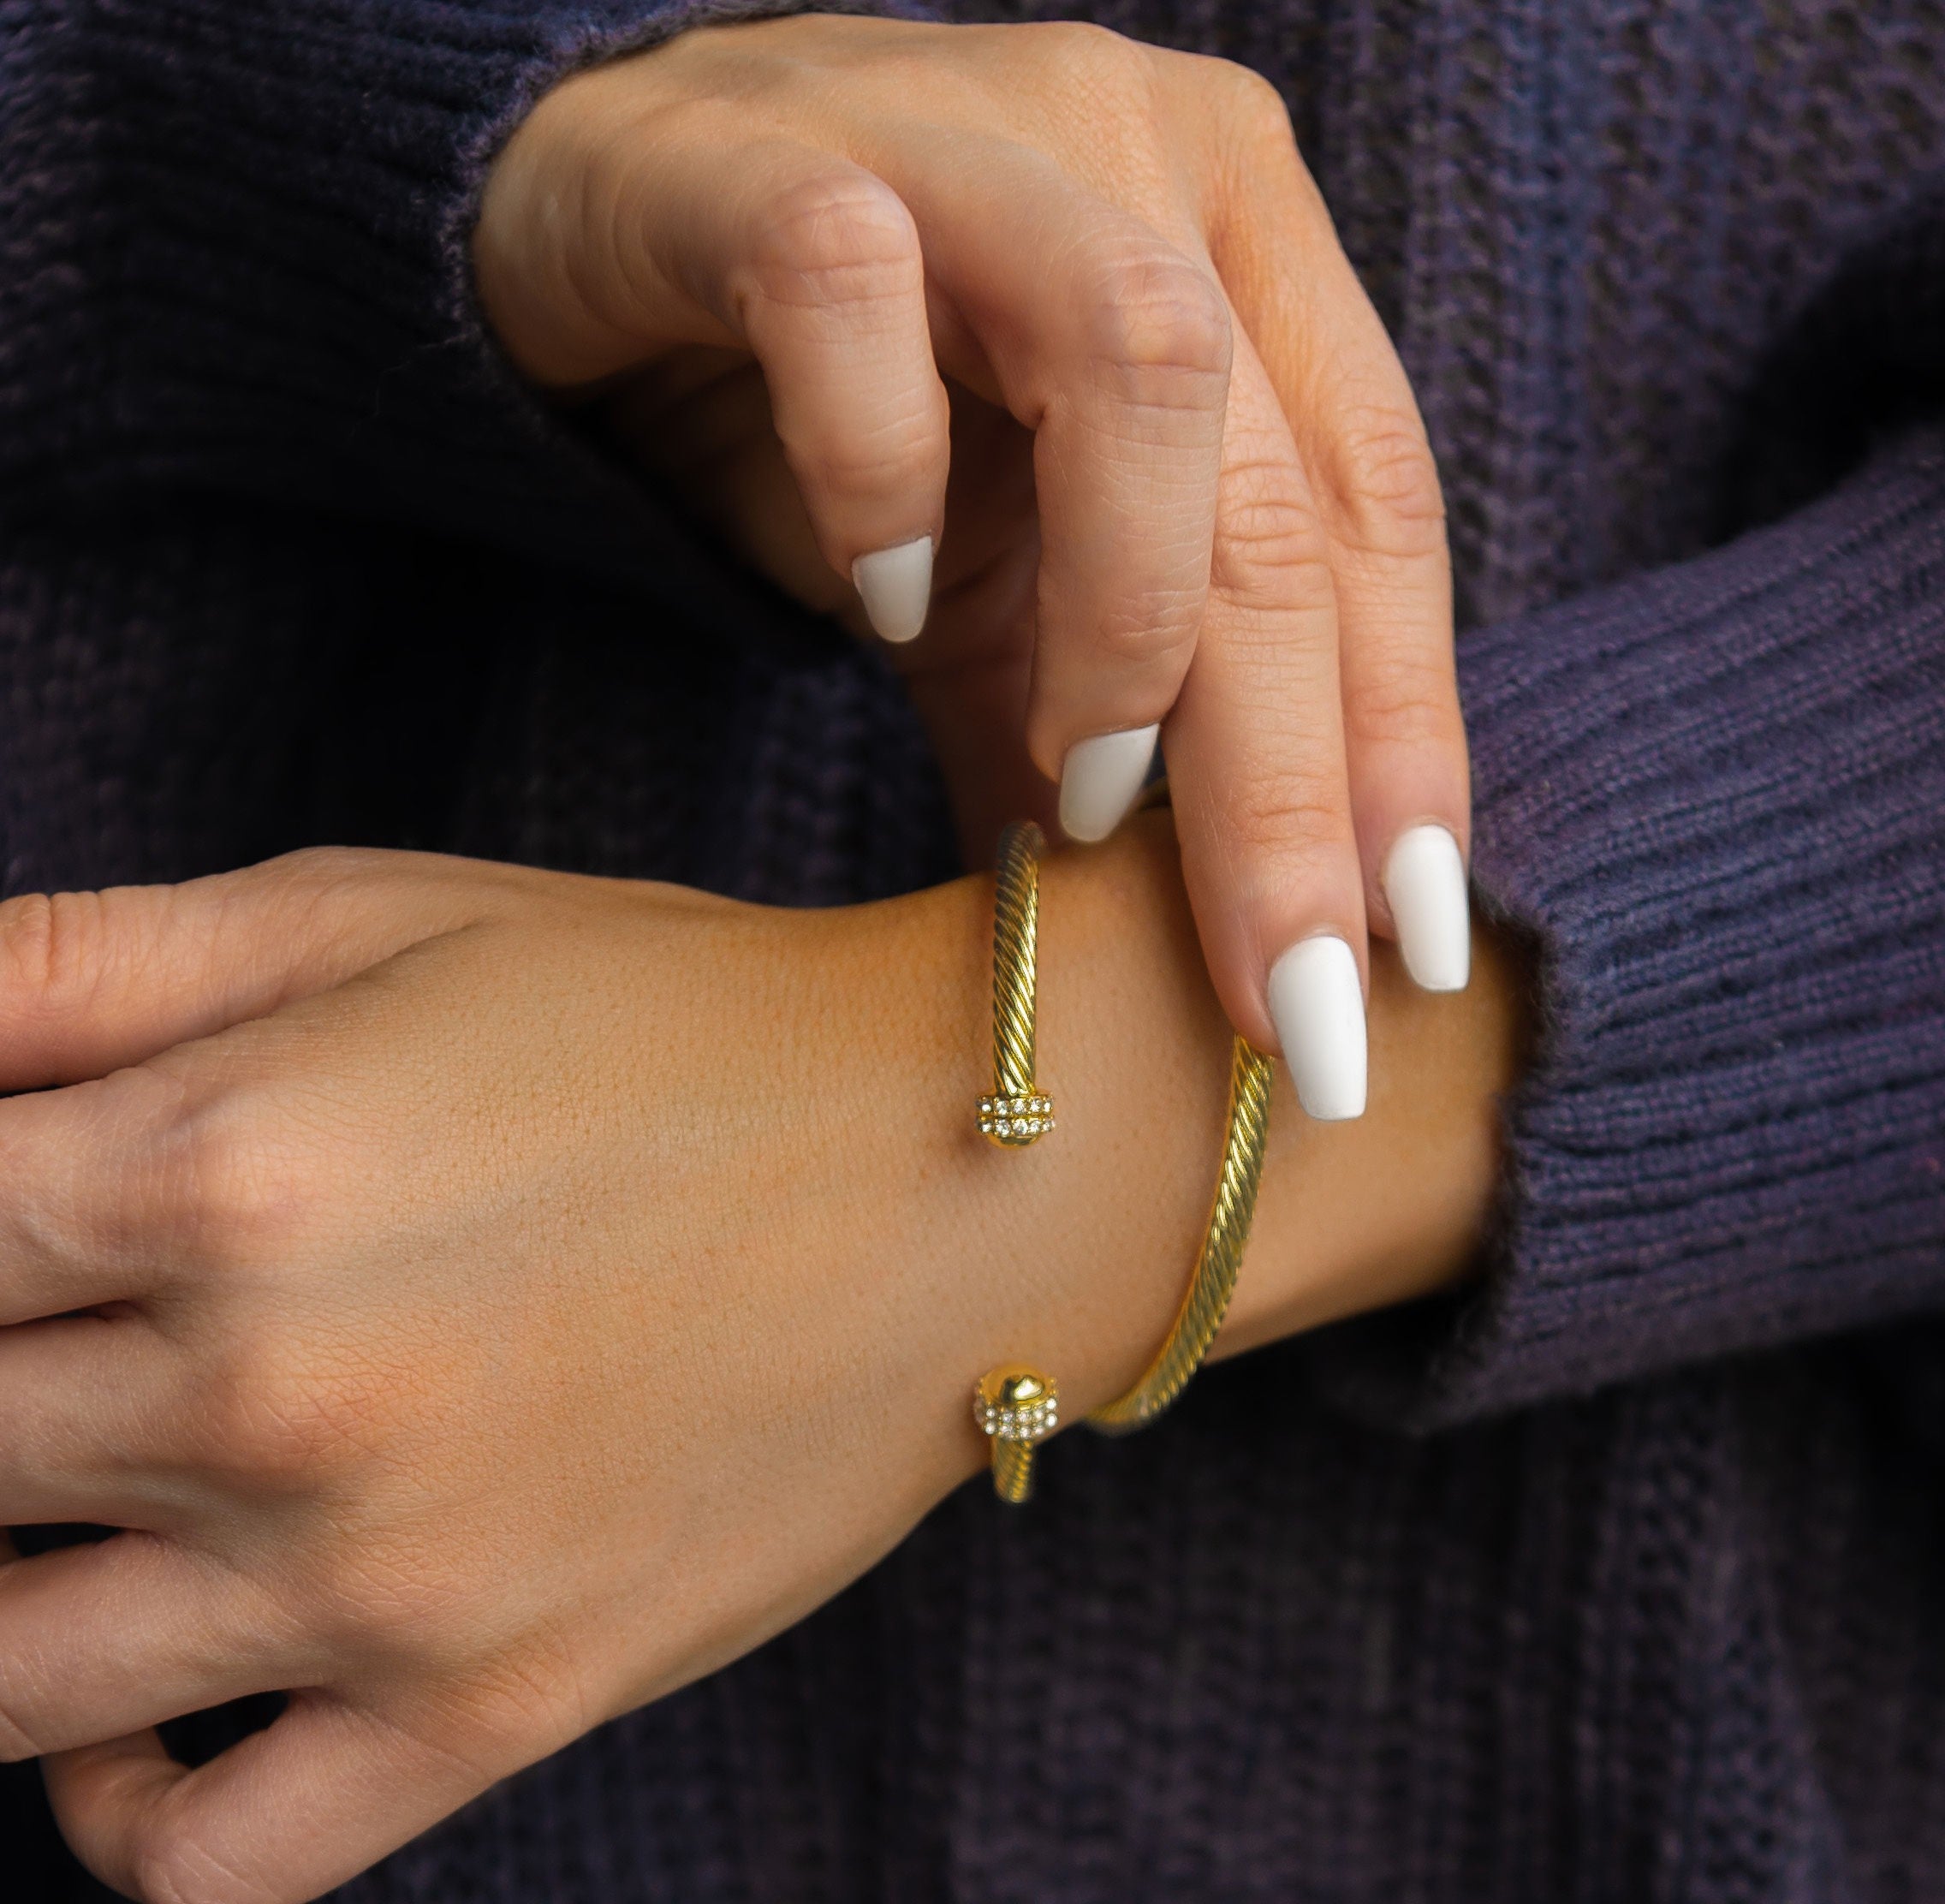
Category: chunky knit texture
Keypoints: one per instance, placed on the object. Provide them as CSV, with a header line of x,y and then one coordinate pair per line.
x,y
1659,1610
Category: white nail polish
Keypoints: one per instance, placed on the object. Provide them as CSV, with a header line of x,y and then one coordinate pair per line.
x,y
1318,1009
1424,882
1102,778
896,587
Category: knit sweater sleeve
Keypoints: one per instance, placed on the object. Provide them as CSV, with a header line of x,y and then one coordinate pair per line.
x,y
233,254
1714,800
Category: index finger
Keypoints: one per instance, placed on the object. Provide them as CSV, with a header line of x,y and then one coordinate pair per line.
x,y
1111,343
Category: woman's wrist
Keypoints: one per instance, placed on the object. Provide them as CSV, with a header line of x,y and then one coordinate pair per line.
x,y
1072,1255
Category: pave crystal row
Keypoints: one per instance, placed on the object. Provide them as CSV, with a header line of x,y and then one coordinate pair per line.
x,y
1016,1405
1017,1119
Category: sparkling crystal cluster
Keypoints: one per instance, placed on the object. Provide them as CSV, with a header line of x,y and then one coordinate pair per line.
x,y
1027,1117
1025,1410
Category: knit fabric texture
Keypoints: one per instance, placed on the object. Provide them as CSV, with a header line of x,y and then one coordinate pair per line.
x,y
1619,1576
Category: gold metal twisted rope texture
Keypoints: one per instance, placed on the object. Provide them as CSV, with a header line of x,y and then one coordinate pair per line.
x,y
1215,1270
1015,1407
1017,1113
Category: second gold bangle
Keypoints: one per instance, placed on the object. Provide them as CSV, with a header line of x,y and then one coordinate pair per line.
x,y
1221,1259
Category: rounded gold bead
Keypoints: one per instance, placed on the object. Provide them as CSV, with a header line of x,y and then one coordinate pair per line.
x,y
1016,1403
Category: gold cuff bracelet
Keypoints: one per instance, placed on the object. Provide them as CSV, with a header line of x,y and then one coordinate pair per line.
x,y
1017,1407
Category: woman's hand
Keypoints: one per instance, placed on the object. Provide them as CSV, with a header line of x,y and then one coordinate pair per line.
x,y
1187,482
488,1299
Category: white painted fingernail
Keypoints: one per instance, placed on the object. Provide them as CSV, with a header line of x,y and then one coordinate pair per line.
x,y
896,587
1102,778
1318,1009
1424,882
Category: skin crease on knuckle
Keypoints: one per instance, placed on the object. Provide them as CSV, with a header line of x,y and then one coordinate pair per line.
x,y
1295,817
1387,505
48,946
1156,633
1272,556
1157,329
1403,698
837,243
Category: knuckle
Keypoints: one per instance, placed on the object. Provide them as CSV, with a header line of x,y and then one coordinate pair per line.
x,y
836,238
886,461
119,1213
50,945
1388,500
1156,631
237,1198
1252,107
391,1592
1092,56
1160,325
281,1415
1271,553
1401,698
331,868
1298,813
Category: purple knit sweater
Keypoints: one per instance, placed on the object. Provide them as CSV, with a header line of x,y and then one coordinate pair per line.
x,y
1620,1576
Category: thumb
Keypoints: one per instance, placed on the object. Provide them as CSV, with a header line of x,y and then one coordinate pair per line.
x,y
280,1818
93,981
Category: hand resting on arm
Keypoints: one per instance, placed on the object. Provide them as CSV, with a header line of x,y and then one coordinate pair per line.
x,y
1186,482
393,1214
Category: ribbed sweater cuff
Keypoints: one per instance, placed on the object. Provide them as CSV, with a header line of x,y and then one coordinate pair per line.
x,y
1715,800
292,190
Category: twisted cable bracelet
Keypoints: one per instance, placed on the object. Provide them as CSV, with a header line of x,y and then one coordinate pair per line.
x,y
1214,1282
1015,1407
1017,1113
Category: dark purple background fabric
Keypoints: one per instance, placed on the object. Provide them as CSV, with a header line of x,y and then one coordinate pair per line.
x,y
1621,1577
